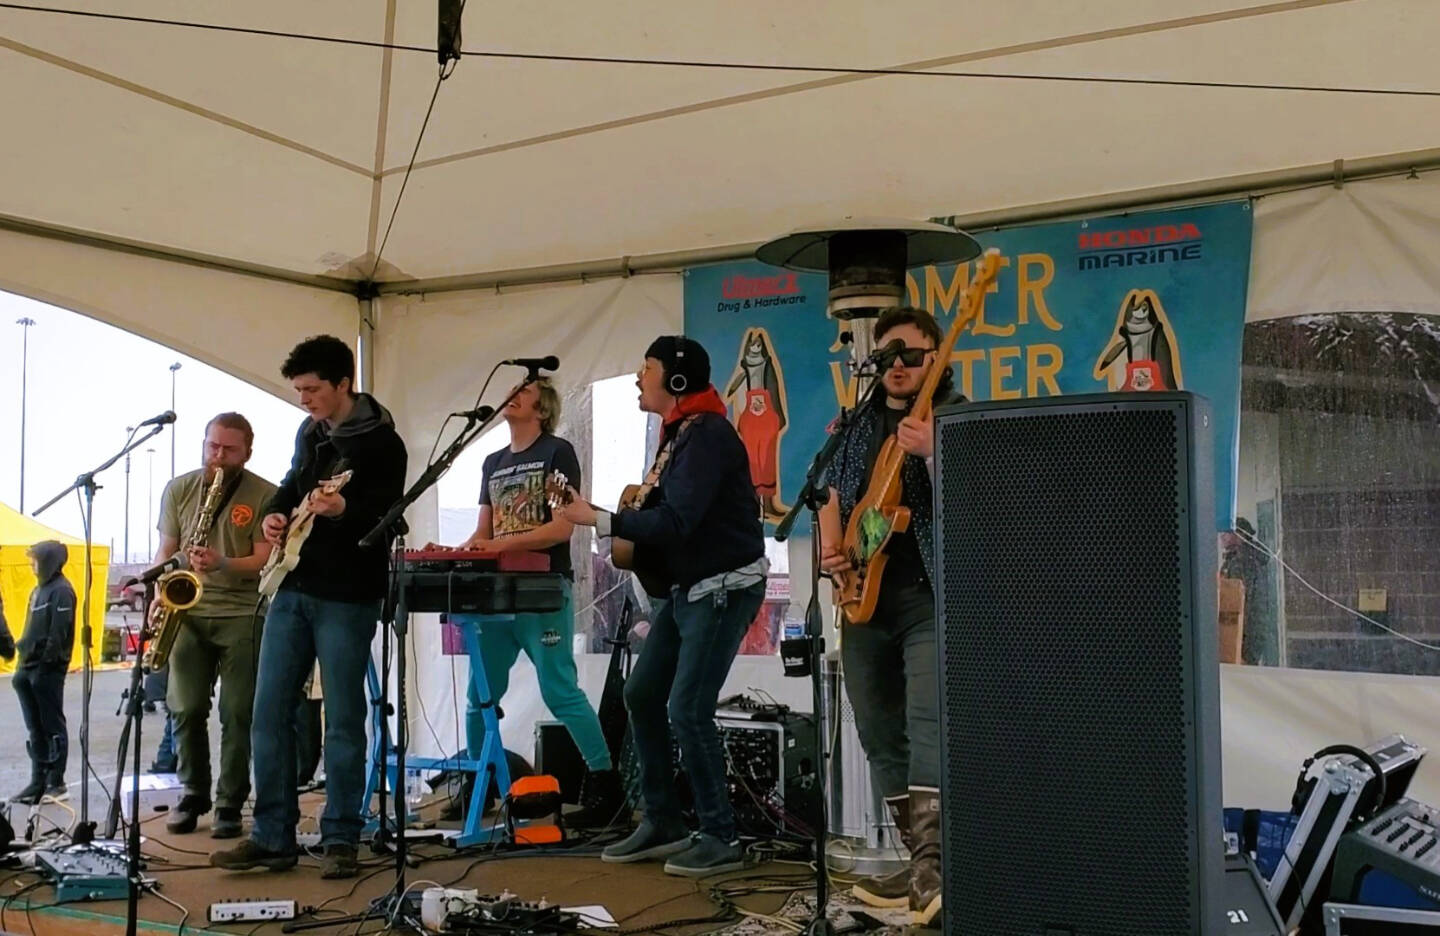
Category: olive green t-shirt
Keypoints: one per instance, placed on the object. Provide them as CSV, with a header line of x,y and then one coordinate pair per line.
x,y
234,533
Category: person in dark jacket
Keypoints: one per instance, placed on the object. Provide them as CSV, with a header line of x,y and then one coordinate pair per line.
x,y
697,524
326,609
45,647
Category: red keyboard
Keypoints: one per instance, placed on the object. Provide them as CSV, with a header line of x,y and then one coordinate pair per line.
x,y
475,560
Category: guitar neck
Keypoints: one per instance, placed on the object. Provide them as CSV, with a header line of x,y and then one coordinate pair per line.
x,y
971,302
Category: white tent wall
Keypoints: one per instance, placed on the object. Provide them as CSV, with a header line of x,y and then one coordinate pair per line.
x,y
432,354
1368,246
243,324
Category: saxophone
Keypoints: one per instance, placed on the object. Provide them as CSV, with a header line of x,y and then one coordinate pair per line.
x,y
178,591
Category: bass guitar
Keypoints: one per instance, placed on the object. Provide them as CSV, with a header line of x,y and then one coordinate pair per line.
x,y
879,515
285,557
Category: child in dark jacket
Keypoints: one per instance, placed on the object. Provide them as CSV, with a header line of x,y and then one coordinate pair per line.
x,y
45,647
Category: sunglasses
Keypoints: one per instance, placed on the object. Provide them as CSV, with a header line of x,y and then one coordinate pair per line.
x,y
913,357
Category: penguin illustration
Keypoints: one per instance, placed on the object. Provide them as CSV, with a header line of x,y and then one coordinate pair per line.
x,y
1142,334
757,391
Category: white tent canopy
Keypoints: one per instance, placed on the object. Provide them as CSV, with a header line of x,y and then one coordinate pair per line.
x,y
287,155
226,193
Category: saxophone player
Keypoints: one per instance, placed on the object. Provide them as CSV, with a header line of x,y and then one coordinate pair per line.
x,y
219,636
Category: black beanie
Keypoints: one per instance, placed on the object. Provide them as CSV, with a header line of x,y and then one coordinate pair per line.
x,y
685,361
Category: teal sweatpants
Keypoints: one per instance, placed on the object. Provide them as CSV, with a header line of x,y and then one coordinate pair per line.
x,y
548,640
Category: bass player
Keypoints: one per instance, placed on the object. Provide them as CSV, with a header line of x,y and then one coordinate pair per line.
x,y
897,719
326,609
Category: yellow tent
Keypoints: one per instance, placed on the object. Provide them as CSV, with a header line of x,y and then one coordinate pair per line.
x,y
17,534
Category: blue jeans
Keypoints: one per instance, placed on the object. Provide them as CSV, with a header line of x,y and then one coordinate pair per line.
x,y
165,753
548,640
675,684
299,629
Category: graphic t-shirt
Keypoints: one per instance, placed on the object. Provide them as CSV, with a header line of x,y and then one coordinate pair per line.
x,y
514,489
234,534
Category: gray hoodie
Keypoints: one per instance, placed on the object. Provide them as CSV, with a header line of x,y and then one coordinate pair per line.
x,y
49,637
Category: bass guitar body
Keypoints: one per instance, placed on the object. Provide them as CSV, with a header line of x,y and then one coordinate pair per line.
x,y
873,522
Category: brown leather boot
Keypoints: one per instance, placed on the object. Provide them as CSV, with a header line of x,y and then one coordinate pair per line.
x,y
893,889
926,882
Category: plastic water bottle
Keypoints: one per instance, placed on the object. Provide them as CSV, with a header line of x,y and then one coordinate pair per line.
x,y
414,787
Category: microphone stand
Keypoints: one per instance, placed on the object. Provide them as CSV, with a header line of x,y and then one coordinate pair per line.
x,y
85,829
477,423
813,497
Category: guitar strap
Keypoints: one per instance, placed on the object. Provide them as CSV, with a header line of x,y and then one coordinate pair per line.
x,y
662,458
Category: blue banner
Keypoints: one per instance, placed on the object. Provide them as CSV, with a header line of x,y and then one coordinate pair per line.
x,y
1148,300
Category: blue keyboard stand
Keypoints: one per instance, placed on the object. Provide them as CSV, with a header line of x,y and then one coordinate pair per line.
x,y
491,763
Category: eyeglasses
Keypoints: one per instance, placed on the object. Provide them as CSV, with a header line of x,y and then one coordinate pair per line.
x,y
913,357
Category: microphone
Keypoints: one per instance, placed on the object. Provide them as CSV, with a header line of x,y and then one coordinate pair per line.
x,y
549,362
169,565
886,355
481,414
164,419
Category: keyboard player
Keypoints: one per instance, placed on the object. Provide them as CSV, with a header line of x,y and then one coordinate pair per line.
x,y
515,515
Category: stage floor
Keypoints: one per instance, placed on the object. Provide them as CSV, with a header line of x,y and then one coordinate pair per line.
x,y
636,895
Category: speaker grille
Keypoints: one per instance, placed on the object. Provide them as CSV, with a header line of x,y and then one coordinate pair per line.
x,y
1068,720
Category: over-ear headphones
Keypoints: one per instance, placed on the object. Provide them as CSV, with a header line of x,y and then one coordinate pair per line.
x,y
675,381
1367,806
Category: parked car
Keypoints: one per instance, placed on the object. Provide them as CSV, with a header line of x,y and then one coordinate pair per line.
x,y
123,592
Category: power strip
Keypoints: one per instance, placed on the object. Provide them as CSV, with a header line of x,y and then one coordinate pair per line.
x,y
252,911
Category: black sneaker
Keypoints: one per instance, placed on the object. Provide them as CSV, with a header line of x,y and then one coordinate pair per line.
x,y
602,802
648,842
31,794
249,855
182,817
226,824
340,862
707,855
57,792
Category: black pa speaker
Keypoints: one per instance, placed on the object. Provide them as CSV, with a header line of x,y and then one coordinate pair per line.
x,y
1080,715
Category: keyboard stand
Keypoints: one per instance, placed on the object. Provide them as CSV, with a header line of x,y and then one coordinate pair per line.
x,y
490,764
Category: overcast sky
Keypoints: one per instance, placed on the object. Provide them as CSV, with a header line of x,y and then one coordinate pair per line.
x,y
88,381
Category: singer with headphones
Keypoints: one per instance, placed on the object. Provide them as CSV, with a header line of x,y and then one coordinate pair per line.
x,y
698,523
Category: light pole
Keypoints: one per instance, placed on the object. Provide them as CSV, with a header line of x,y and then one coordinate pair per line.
x,y
131,432
173,368
149,542
24,324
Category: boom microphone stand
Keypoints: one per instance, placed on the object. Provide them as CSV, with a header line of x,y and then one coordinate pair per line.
x,y
85,483
813,497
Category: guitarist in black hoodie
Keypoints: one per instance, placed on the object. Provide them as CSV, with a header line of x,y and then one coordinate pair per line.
x,y
698,527
326,609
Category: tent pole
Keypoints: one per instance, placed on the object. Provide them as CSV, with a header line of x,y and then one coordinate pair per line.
x,y
365,340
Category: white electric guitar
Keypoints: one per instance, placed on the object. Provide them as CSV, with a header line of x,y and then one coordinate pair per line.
x,y
285,557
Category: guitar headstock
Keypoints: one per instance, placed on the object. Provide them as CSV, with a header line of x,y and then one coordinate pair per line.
x,y
557,490
986,272
336,482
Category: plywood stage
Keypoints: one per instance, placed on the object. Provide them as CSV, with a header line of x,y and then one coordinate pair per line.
x,y
636,895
